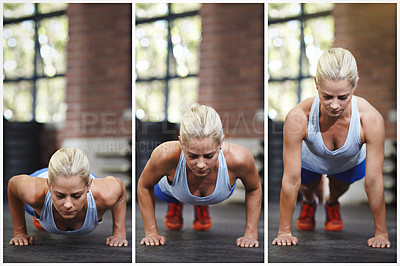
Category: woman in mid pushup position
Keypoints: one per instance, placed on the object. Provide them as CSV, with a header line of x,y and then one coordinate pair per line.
x,y
337,134
66,198
199,169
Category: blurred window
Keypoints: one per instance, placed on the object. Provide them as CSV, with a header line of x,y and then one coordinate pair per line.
x,y
298,34
167,59
34,61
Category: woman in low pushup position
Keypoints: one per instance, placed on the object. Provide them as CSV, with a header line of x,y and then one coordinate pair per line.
x,y
337,134
199,169
66,198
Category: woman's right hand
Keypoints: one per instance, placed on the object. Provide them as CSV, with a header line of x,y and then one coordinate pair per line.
x,y
285,240
22,239
153,240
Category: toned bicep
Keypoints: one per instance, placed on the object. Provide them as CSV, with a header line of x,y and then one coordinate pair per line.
x,y
375,139
291,157
293,135
248,172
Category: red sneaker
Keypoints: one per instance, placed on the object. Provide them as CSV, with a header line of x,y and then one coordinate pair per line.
x,y
173,220
36,224
334,220
306,220
202,219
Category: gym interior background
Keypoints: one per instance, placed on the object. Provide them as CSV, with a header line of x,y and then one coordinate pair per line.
x,y
208,54
90,91
82,69
298,34
68,78
68,82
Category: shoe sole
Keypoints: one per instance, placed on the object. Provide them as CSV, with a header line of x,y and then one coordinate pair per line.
x,y
202,227
172,227
336,227
304,227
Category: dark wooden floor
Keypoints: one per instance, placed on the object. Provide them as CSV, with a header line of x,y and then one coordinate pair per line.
x,y
58,248
347,246
188,245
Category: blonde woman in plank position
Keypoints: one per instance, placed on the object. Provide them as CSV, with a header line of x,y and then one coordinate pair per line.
x,y
67,199
199,169
338,134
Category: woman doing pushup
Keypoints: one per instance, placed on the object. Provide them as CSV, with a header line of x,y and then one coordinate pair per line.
x,y
337,134
67,199
199,169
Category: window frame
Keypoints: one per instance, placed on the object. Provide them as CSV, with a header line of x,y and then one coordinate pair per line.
x,y
302,18
36,18
169,18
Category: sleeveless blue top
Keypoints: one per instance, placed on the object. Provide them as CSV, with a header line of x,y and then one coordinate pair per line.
x,y
46,219
180,188
317,158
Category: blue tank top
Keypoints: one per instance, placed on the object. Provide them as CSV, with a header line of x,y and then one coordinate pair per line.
x,y
46,218
180,188
317,158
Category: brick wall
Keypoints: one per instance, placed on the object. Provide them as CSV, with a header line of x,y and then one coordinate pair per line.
x,y
232,66
369,32
99,70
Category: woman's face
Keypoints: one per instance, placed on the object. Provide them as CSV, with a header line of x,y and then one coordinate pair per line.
x,y
69,195
335,96
201,155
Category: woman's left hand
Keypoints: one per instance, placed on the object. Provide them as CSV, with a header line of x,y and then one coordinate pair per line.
x,y
116,241
247,242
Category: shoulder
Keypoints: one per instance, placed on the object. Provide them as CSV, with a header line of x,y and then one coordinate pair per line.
x,y
237,157
107,191
297,119
163,162
367,111
371,120
31,190
301,111
166,154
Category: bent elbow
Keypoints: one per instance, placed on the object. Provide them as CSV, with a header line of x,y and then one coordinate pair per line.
x,y
291,180
371,183
142,188
12,183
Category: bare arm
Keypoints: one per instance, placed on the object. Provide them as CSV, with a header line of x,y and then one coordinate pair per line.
x,y
251,181
293,133
146,197
157,167
118,210
374,129
23,189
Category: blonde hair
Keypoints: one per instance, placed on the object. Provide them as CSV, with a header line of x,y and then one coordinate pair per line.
x,y
69,162
337,64
201,122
